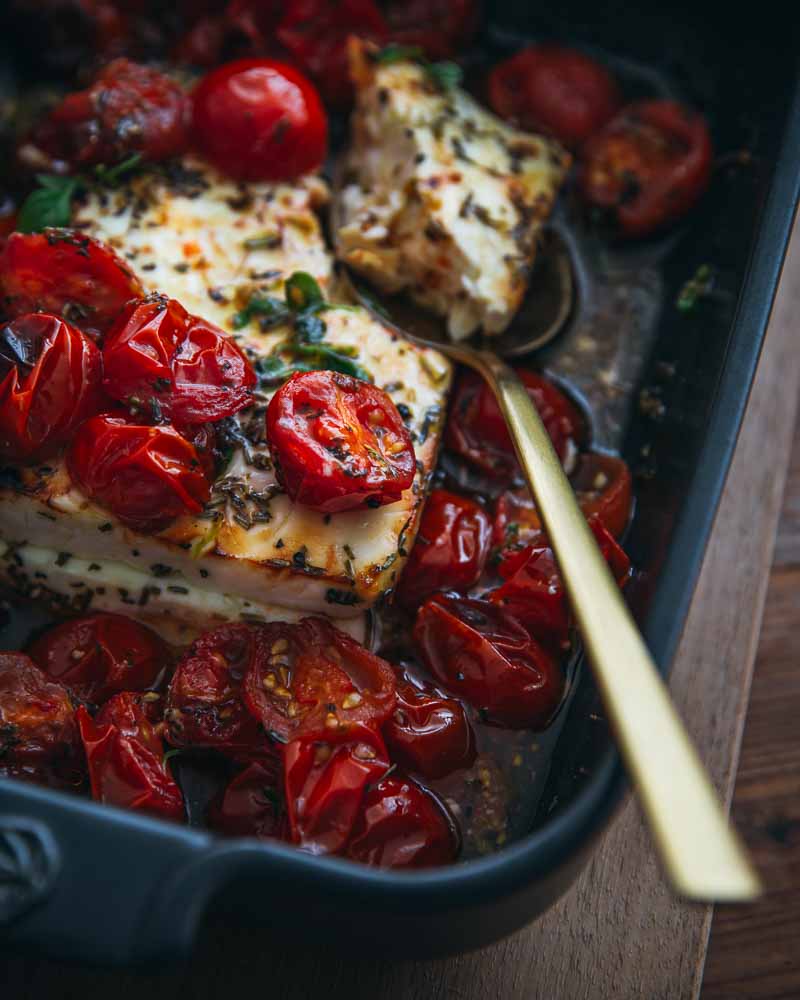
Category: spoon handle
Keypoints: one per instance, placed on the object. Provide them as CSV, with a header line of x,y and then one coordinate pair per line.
x,y
700,851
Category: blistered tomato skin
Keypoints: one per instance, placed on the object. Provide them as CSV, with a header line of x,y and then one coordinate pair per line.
x,y
338,443
50,381
37,715
441,28
259,120
251,804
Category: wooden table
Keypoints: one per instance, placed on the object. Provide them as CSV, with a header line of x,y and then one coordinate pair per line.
x,y
618,933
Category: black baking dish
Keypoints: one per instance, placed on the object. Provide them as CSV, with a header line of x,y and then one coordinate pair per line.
x,y
91,883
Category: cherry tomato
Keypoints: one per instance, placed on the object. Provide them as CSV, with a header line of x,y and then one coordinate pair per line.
x,y
246,28
204,705
559,91
427,733
441,28
325,784
450,550
484,655
101,654
251,805
129,108
125,754
159,358
402,826
50,377
62,271
648,166
338,443
477,431
316,33
146,476
310,678
37,717
259,120
62,775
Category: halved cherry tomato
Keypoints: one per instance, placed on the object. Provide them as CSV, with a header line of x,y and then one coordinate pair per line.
x,y
484,655
402,826
450,550
37,717
100,654
146,476
259,120
556,90
64,272
476,429
427,733
50,377
441,28
125,754
204,704
325,783
159,358
251,805
338,443
648,166
310,678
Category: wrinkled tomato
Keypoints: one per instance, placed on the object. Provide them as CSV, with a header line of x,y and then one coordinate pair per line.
x,y
37,717
64,272
50,377
259,120
62,775
146,476
556,90
161,361
476,429
338,443
450,550
100,654
251,804
648,166
441,28
245,28
310,678
483,654
402,826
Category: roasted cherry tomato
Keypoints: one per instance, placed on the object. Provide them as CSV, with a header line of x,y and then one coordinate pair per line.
x,y
476,429
98,655
251,805
338,443
441,28
316,33
50,376
402,826
648,166
484,655
37,717
146,476
125,754
129,108
62,775
64,272
325,783
160,360
259,120
450,550
559,91
245,28
310,678
427,733
204,705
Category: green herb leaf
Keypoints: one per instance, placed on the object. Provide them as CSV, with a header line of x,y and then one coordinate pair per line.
x,y
272,311
394,53
267,241
696,288
309,328
445,75
324,358
111,176
50,205
302,292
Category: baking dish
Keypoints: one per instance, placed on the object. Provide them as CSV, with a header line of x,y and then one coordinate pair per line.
x,y
91,883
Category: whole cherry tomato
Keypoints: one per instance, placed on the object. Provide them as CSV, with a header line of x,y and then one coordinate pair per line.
x,y
556,90
146,476
245,28
338,443
402,826
441,28
125,754
129,108
476,429
325,783
100,654
251,804
259,120
484,655
159,358
648,166
310,678
450,550
50,377
37,717
427,733
64,272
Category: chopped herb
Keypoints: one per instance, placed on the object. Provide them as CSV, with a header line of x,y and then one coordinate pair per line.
x,y
111,176
302,292
272,312
444,74
310,328
696,288
394,53
267,241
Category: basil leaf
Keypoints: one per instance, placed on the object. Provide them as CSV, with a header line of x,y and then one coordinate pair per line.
x,y
394,53
50,205
309,328
444,74
272,311
324,358
302,292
